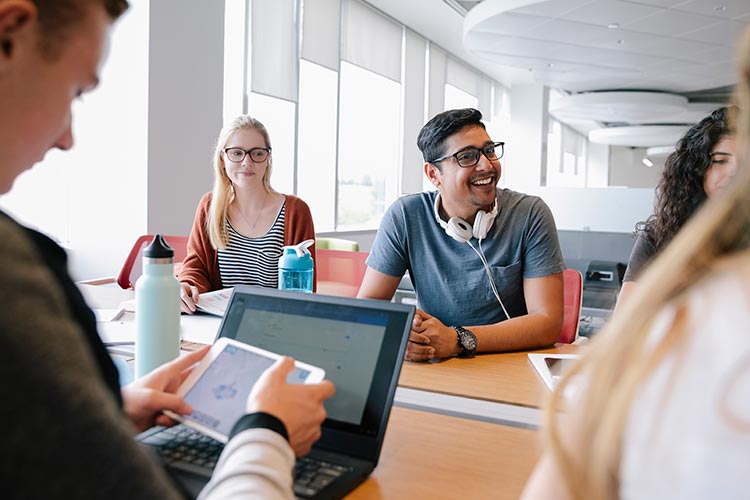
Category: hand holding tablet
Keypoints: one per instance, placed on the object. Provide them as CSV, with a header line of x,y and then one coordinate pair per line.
x,y
219,387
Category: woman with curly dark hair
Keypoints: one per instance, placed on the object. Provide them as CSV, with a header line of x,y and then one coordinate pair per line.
x,y
703,163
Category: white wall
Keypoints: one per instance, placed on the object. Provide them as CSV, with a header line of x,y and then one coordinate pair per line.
x,y
597,165
185,108
613,210
627,168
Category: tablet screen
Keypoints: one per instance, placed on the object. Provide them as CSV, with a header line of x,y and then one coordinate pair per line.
x,y
219,396
559,366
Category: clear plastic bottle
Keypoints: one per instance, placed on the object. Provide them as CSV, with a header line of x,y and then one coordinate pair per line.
x,y
157,309
296,268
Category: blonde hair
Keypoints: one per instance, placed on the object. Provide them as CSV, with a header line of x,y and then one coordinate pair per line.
x,y
624,354
223,190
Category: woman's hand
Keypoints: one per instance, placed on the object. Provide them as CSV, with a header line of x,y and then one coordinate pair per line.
x,y
189,296
146,398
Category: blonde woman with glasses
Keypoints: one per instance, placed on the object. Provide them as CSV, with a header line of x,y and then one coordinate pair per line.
x,y
242,224
661,401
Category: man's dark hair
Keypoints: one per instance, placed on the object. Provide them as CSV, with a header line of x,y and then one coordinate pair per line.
x,y
59,18
431,139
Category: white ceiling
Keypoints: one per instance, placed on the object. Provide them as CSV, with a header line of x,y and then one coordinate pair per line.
x,y
588,45
684,47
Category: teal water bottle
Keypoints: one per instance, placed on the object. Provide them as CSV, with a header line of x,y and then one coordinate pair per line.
x,y
296,268
157,309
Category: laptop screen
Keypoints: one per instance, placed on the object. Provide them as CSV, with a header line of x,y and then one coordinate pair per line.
x,y
359,343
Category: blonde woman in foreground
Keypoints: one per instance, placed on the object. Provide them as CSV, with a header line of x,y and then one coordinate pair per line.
x,y
662,408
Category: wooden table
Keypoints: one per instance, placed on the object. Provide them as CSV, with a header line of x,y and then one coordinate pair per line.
x,y
426,455
505,378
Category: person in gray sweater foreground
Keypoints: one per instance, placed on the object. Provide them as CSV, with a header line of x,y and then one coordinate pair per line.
x,y
69,427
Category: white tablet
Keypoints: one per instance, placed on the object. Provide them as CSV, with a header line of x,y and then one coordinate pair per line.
x,y
552,367
219,385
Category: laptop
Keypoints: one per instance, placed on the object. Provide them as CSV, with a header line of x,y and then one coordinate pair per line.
x,y
359,343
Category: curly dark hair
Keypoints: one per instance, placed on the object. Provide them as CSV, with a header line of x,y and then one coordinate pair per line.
x,y
680,191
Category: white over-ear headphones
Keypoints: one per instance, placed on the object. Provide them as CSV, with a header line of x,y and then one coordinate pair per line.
x,y
462,231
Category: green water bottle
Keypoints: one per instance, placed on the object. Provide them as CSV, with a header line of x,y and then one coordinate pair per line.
x,y
157,309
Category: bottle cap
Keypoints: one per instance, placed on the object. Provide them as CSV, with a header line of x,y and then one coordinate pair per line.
x,y
158,249
296,256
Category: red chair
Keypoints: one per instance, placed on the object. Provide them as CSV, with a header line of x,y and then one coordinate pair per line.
x,y
340,272
133,267
573,297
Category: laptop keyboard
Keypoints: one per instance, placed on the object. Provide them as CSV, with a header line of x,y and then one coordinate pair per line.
x,y
312,475
188,449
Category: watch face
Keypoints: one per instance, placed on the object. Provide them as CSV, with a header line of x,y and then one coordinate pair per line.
x,y
468,340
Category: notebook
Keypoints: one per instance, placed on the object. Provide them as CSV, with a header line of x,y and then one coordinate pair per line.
x,y
359,343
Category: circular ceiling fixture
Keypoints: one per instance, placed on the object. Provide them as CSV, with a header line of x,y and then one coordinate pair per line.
x,y
618,106
641,136
659,151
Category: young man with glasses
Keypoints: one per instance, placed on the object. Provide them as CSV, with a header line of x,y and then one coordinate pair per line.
x,y
485,262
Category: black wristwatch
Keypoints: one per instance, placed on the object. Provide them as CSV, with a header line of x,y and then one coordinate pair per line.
x,y
467,341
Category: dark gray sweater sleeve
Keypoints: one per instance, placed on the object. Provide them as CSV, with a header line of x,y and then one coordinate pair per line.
x,y
65,436
643,252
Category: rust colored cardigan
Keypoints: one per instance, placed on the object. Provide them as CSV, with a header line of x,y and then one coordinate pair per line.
x,y
201,265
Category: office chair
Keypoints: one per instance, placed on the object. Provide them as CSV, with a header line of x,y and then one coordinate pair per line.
x,y
336,244
340,272
573,298
132,268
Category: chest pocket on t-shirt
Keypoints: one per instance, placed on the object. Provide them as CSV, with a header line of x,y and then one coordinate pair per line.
x,y
509,282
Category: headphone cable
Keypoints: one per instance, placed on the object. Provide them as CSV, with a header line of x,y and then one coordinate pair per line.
x,y
489,275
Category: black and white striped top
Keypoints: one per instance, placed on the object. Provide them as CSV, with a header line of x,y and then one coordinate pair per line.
x,y
253,261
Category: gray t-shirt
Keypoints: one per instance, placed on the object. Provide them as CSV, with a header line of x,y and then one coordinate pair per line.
x,y
643,252
449,278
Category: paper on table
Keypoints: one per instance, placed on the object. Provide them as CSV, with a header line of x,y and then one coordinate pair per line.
x,y
199,328
116,332
104,296
107,314
215,302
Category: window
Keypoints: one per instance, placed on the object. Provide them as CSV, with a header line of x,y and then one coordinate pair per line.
x,y
316,144
566,156
369,134
278,117
456,98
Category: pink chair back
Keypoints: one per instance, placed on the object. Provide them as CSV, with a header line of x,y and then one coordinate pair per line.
x,y
132,268
340,272
573,296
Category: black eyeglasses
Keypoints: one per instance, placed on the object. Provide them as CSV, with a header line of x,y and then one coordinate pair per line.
x,y
257,155
469,156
